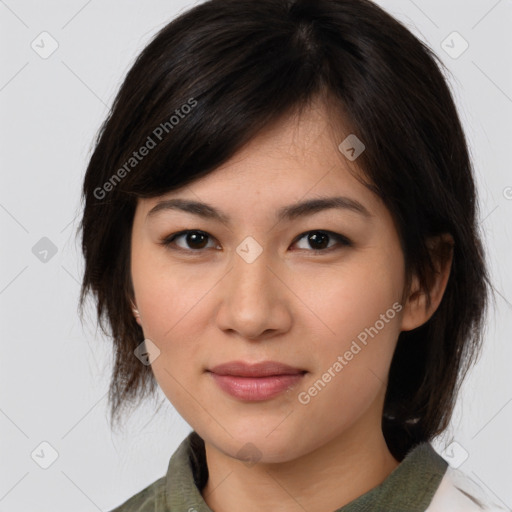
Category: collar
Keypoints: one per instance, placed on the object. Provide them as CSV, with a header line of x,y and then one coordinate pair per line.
x,y
410,487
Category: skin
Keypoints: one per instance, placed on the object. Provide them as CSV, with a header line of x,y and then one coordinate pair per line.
x,y
290,305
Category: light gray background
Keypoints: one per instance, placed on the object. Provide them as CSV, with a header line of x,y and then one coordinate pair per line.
x,y
54,372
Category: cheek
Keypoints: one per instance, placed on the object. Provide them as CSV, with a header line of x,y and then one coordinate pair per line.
x,y
169,301
167,294
350,299
172,304
350,377
360,310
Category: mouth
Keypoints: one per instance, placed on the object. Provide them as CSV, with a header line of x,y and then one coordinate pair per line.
x,y
255,382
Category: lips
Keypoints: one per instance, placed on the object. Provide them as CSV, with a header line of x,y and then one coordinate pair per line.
x,y
263,369
255,382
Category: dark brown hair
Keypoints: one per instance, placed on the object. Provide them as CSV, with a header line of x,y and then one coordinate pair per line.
x,y
243,64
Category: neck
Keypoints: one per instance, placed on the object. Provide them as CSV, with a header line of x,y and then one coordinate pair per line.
x,y
323,480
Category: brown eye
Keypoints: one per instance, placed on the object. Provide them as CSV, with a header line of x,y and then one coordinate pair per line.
x,y
193,240
319,240
196,240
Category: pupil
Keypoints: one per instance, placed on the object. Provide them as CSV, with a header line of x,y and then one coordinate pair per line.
x,y
314,238
317,240
192,240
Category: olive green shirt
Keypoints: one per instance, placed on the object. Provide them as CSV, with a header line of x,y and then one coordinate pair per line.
x,y
409,488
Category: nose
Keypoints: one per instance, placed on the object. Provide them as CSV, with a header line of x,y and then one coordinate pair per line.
x,y
254,301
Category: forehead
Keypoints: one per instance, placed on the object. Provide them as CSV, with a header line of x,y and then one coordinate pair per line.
x,y
294,159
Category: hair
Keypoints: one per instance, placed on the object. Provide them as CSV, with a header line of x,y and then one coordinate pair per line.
x,y
240,65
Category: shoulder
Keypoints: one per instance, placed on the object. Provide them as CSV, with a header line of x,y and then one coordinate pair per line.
x,y
150,499
457,492
178,486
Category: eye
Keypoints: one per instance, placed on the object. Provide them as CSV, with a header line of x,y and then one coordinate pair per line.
x,y
195,240
319,240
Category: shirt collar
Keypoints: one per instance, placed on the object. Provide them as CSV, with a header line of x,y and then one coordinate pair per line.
x,y
410,487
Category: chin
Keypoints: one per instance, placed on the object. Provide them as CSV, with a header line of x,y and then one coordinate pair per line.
x,y
255,445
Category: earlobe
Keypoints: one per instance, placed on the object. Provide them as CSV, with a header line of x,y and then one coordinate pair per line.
x,y
415,311
417,308
136,313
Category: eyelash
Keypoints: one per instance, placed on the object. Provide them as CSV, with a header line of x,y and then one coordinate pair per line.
x,y
342,241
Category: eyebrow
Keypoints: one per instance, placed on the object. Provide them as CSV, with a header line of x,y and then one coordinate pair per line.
x,y
286,213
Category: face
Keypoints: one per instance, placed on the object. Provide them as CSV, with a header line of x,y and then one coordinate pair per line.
x,y
319,289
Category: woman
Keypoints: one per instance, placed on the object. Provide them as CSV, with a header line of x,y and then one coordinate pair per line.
x,y
280,231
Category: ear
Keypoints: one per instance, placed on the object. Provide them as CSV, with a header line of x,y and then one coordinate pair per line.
x,y
136,313
417,309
